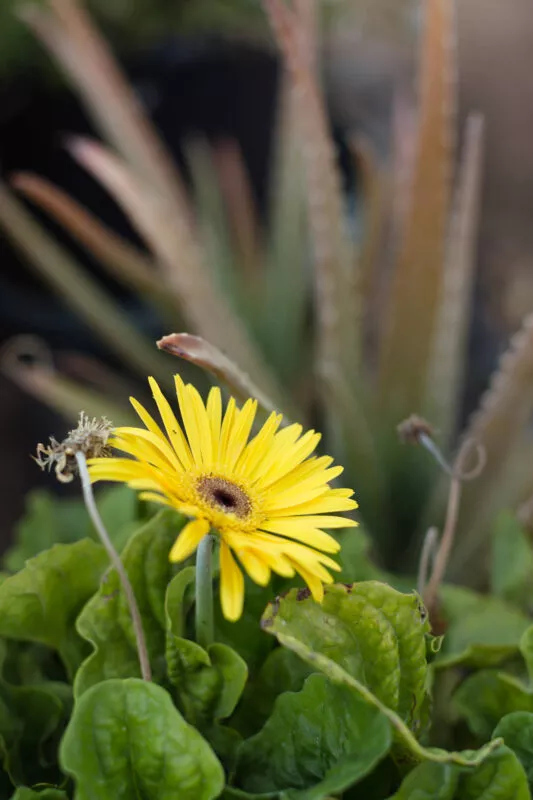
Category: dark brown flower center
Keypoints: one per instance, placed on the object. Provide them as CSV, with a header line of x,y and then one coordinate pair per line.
x,y
224,495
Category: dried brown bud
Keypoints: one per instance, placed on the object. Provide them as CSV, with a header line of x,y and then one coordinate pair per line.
x,y
90,438
412,428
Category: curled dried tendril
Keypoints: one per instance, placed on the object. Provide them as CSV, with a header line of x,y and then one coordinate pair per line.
x,y
90,437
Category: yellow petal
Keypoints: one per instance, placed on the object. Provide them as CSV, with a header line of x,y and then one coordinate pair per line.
x,y
325,503
321,521
255,566
240,433
154,497
172,427
302,532
283,439
195,421
214,413
268,548
189,539
258,447
231,585
227,429
290,459
159,443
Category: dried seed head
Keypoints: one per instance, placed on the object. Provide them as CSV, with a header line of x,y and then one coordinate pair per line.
x,y
90,438
413,428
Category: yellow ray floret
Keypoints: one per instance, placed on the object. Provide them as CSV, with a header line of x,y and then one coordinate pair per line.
x,y
267,497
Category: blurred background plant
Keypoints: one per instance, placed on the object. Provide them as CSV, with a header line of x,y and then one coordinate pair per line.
x,y
338,290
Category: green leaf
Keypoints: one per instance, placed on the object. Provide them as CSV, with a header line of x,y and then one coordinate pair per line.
x,y
126,740
41,603
317,742
318,638
499,777
49,520
488,695
377,634
31,722
105,621
23,793
516,730
512,560
482,631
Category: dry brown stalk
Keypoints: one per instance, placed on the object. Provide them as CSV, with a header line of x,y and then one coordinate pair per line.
x,y
415,287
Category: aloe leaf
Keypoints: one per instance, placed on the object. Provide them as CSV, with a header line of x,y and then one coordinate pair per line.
x,y
406,343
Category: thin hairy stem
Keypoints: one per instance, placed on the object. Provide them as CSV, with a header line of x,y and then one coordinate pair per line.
x,y
114,557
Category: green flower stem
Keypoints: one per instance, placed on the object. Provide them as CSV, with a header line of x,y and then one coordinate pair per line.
x,y
205,629
114,557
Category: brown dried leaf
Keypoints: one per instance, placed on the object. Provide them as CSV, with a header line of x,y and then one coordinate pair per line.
x,y
449,346
208,357
416,284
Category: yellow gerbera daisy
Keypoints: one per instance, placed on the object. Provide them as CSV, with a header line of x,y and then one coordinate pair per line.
x,y
267,498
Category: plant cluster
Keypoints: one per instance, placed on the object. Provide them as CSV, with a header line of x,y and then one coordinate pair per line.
x,y
377,691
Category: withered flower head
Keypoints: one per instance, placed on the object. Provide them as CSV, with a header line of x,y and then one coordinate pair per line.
x,y
90,437
412,428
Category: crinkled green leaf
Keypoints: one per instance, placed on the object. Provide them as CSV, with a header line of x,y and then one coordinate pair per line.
x,y
482,631
24,793
488,695
283,671
318,742
105,620
499,777
32,718
511,560
318,637
41,603
126,740
375,633
516,730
